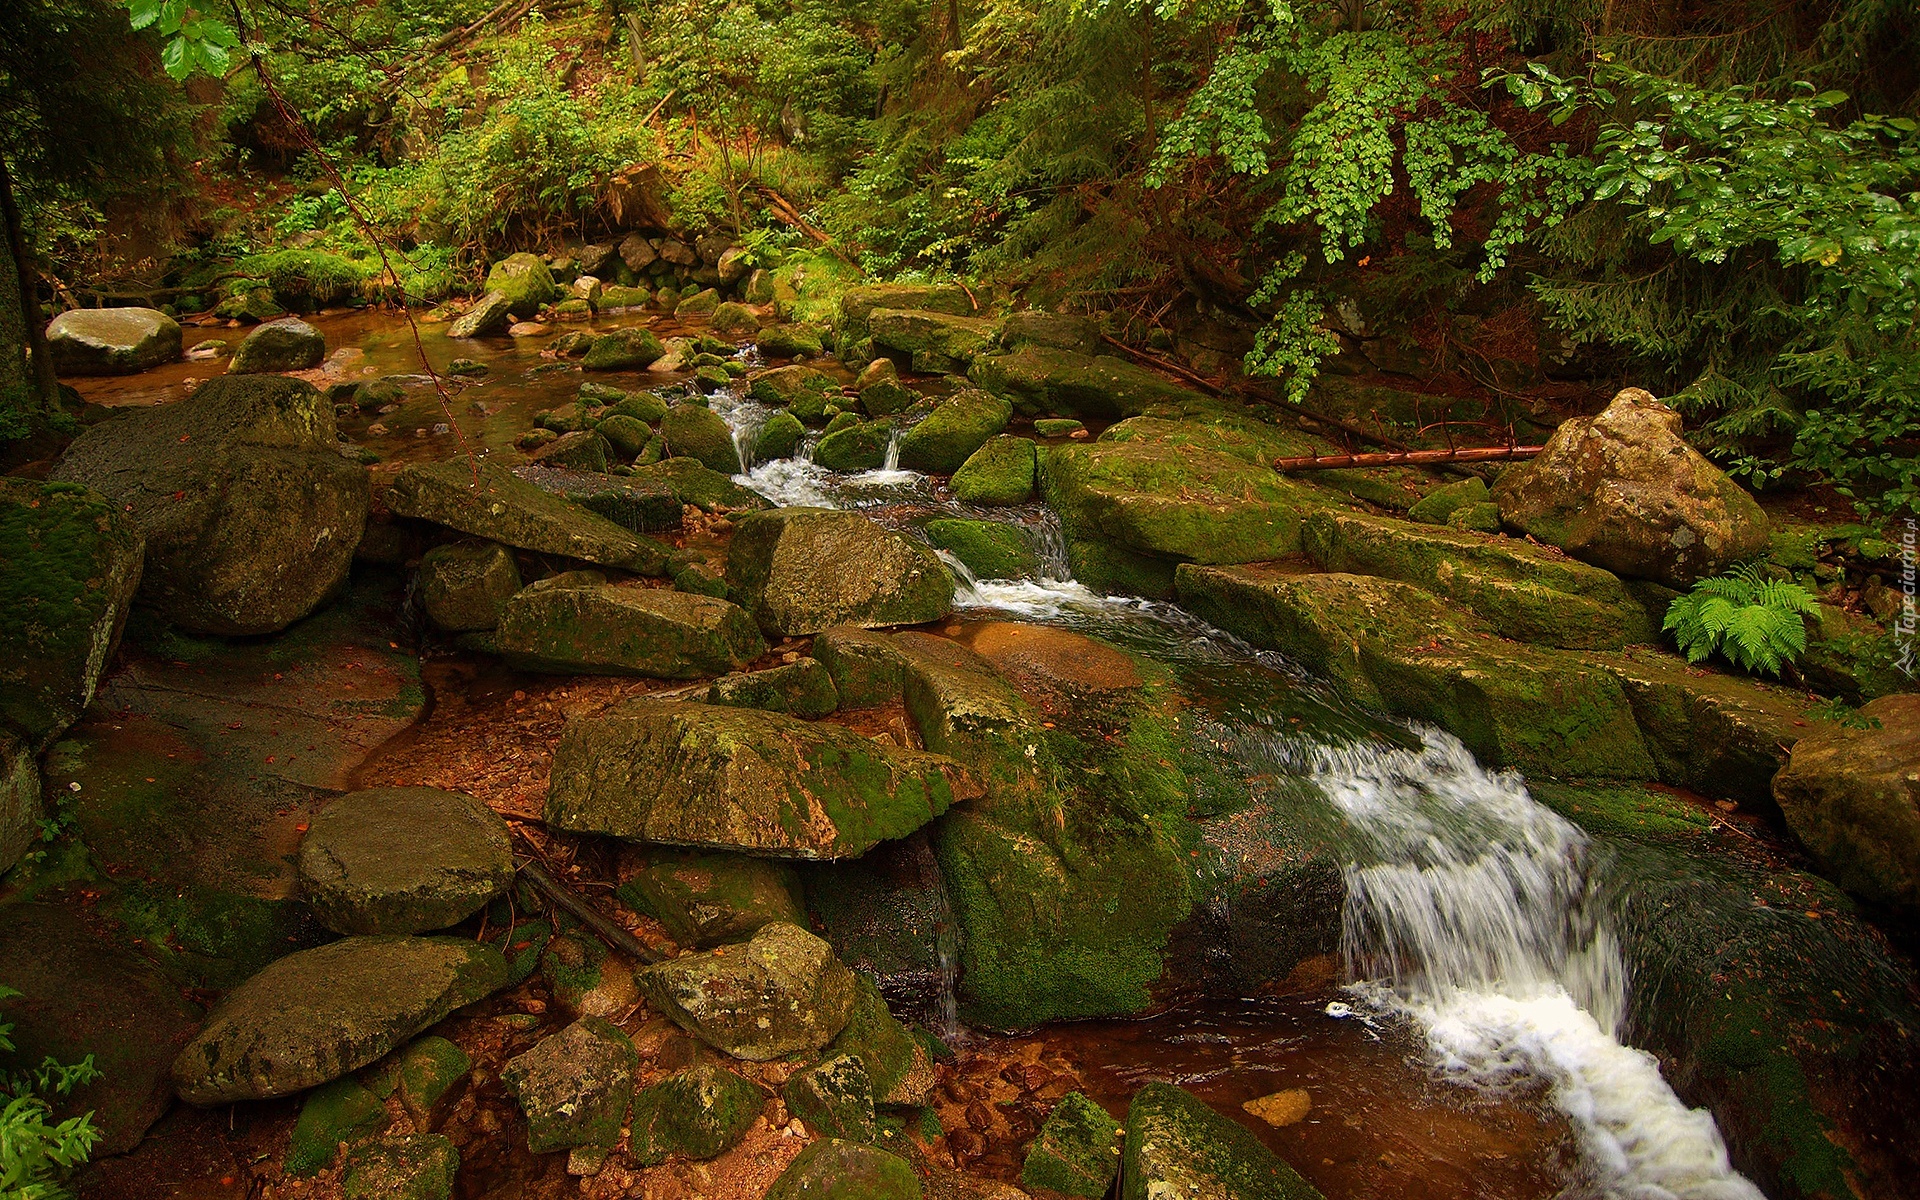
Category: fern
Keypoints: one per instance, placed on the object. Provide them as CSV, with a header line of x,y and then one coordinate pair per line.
x,y
1750,620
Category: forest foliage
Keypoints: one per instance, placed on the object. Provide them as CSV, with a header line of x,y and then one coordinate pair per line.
x,y
1717,201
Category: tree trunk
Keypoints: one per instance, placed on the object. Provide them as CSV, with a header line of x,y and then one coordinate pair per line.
x,y
27,387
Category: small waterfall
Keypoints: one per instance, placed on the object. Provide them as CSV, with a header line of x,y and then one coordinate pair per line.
x,y
1049,541
892,461
1470,909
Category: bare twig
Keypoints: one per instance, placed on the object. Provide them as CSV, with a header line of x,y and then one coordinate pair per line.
x,y
604,929
1404,458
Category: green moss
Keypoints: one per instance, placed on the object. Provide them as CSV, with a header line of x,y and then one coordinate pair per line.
x,y
955,429
855,446
1077,1152
1001,471
990,549
303,280
707,899
332,1116
696,1114
834,1098
1436,506
778,438
804,688
898,1068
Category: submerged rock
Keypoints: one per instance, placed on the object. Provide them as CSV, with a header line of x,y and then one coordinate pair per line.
x,y
949,435
611,629
1177,1146
288,344
69,567
487,500
315,1015
112,341
574,1086
697,775
699,1113
1077,1152
831,1169
465,586
781,992
403,860
1624,491
249,512
1852,797
802,570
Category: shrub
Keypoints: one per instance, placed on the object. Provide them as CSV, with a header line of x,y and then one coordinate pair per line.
x,y
1750,620
36,1151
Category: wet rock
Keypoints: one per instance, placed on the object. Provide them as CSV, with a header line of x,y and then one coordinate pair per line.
x,y
1042,380
897,1068
1525,592
466,585
69,567
418,1166
934,342
645,407
623,350
112,341
630,505
699,775
698,433
331,1117
467,368
802,688
732,318
690,482
857,305
802,570
626,631
990,549
1077,1152
1000,472
880,370
778,438
582,450
1051,427
288,344
957,427
788,341
699,1113
834,1098
783,386
708,899
832,1169
887,397
315,1015
249,512
627,435
574,1086
859,446
403,860
701,303
781,992
1437,506
888,916
1058,331
1281,1108
1177,1146
524,280
487,500
1624,491
1852,797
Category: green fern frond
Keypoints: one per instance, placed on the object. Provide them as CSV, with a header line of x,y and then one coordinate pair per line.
x,y
1748,619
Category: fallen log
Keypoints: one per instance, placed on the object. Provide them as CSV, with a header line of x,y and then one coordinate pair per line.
x,y
563,898
1405,458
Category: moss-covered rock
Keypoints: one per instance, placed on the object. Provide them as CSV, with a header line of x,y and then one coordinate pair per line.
x,y
781,992
778,438
464,586
857,304
633,506
624,350
885,397
788,341
1525,592
1059,331
1393,646
701,580
934,342
403,860
315,1015
803,688
584,450
1177,1146
249,512
1043,380
698,433
831,1169
898,1069
699,1113
419,1166
1438,505
627,435
489,501
574,1086
331,1117
525,281
856,446
626,631
422,1074
21,808
489,314
1077,1152
783,386
764,783
835,1099
288,344
705,900
690,482
958,426
703,302
112,341
802,570
990,549
1001,471
645,407
730,317
1852,797
69,567
1052,427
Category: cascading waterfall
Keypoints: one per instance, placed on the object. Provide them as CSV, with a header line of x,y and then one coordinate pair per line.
x,y
1470,910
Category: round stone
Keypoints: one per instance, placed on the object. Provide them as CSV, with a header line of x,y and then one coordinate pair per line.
x,y
403,860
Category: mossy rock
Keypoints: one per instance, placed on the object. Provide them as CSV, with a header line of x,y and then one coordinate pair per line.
x,y
1042,380
403,860
858,303
584,451
706,900
802,570
464,586
789,341
956,428
831,1169
835,1099
758,782
565,418
1002,471
419,1166
780,993
1176,1145
886,397
698,1114
332,1117
691,482
1436,506
691,431
856,446
697,301
1479,518
626,631
710,378
287,344
778,438
644,407
525,281
614,297
125,341
305,280
489,501
733,318
701,580
839,421
628,436
990,549
782,386
935,342
1059,331
634,507
575,1086
898,1069
803,688
624,350
1077,1152
1052,427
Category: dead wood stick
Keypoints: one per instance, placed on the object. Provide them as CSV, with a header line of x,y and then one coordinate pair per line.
x,y
1404,458
604,929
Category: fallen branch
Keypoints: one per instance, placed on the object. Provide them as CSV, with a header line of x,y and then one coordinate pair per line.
x,y
1404,458
784,210
602,928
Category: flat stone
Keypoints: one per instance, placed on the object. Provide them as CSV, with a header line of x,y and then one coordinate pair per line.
x,y
935,342
403,860
781,992
315,1015
802,570
112,341
689,481
740,779
487,500
637,507
609,629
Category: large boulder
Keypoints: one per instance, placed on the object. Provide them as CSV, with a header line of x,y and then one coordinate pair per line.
x,y
525,281
250,513
935,342
949,435
833,1169
1852,797
315,1015
288,344
1077,1152
689,481
1177,1146
624,350
489,501
1000,472
112,341
802,570
740,779
1624,491
69,567
858,304
403,860
696,432
1039,379
608,629
781,992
